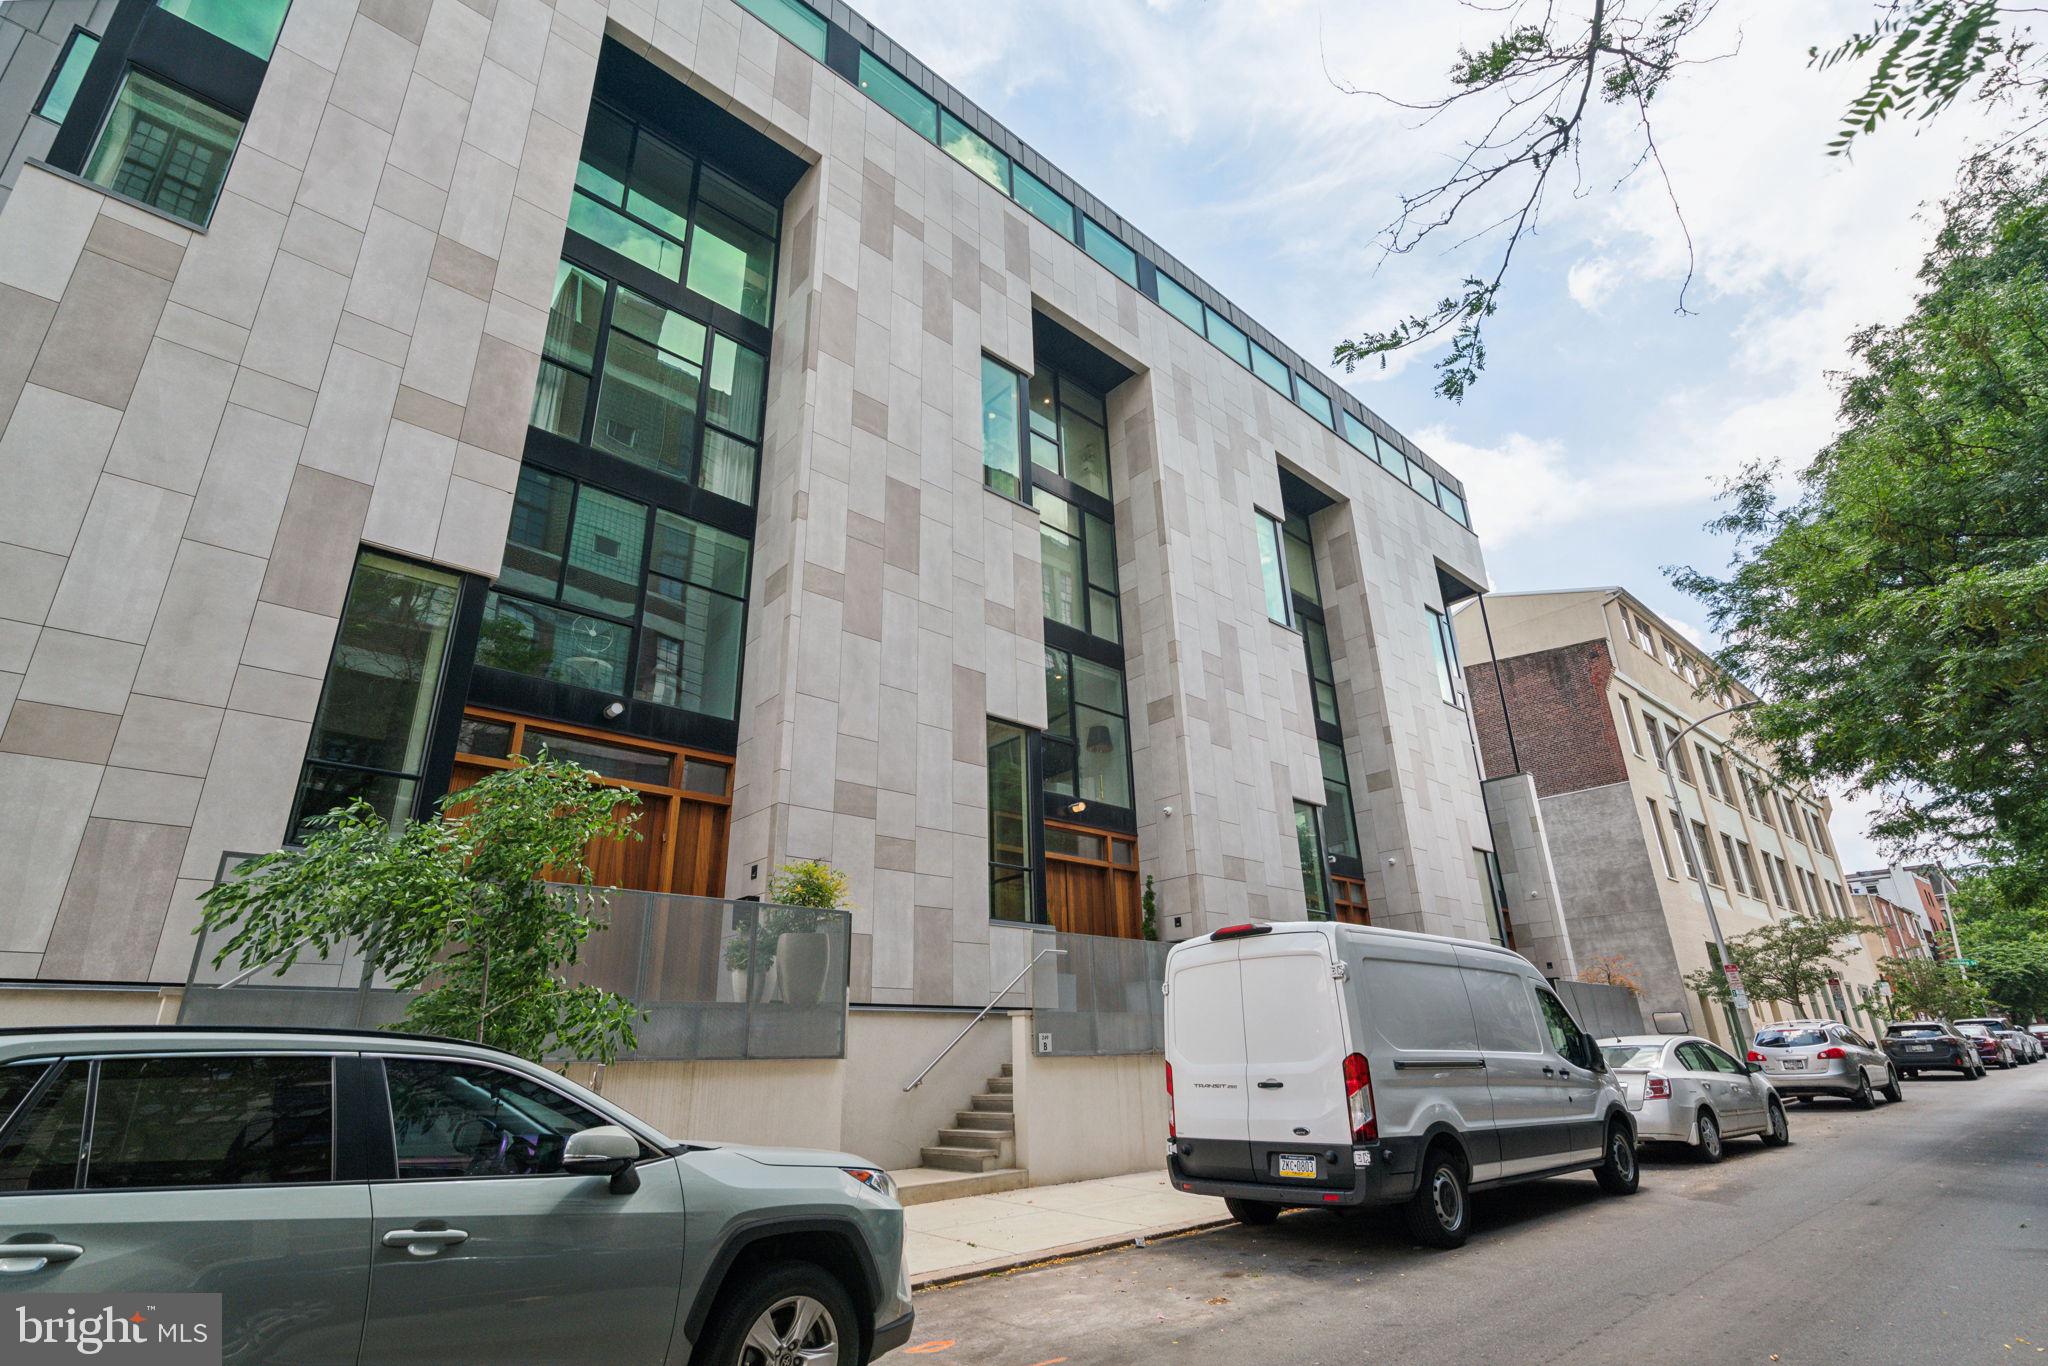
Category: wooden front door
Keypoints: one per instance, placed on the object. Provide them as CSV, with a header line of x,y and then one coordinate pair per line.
x,y
1091,882
685,797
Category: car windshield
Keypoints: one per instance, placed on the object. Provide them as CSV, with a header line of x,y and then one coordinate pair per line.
x,y
1622,1056
1915,1031
1789,1038
1975,1031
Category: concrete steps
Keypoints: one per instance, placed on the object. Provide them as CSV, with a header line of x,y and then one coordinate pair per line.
x,y
922,1185
983,1137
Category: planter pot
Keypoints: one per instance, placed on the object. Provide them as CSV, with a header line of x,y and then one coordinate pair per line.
x,y
735,985
803,959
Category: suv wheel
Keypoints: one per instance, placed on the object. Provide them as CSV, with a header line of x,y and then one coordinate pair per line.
x,y
1252,1213
1707,1147
792,1312
1440,1211
1894,1089
1778,1130
1619,1174
1865,1098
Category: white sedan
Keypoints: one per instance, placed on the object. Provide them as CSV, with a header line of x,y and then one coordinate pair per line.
x,y
1685,1089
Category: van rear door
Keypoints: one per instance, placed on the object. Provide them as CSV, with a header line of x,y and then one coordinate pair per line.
x,y
1205,1050
1295,1042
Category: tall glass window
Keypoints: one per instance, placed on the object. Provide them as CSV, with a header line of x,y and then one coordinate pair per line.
x,y
1069,431
794,21
973,151
1273,370
1445,647
1340,826
370,733
1315,877
1078,580
165,148
1044,203
66,75
672,395
899,96
1010,820
1272,569
595,584
1087,748
250,25
1002,456
1180,303
732,247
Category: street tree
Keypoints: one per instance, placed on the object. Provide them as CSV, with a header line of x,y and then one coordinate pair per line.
x,y
2001,917
1926,990
1554,73
1788,961
1893,609
453,909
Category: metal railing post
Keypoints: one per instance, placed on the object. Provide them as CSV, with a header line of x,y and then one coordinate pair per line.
x,y
918,1080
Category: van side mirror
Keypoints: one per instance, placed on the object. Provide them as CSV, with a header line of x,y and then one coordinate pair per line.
x,y
606,1150
1754,1066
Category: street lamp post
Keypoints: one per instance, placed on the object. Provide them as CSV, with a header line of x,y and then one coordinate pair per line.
x,y
1697,863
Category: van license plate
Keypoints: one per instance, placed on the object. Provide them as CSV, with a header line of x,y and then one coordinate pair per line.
x,y
1298,1164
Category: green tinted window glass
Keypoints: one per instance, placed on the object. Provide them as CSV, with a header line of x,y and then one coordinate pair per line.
x,y
547,642
1314,402
1009,825
1085,447
647,401
659,191
793,21
1059,693
636,242
1101,552
1420,480
1228,339
1340,827
1043,203
693,624
1453,504
1314,877
574,317
78,53
726,466
607,539
539,532
973,151
1104,758
561,396
1267,367
1104,246
691,552
1391,457
899,96
732,255
1358,434
250,25
1180,303
1270,573
736,387
607,155
1002,462
163,148
1301,560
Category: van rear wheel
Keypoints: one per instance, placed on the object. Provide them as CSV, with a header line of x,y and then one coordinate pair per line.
x,y
1440,1212
1252,1213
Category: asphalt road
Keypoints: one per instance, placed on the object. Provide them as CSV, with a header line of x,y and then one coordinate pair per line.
x,y
1914,1233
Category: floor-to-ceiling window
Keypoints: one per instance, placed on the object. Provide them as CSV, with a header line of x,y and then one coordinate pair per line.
x,y
1343,865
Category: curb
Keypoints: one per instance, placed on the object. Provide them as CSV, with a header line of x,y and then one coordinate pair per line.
x,y
1018,1261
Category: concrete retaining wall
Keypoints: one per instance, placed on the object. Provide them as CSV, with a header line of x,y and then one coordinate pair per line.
x,y
1079,1118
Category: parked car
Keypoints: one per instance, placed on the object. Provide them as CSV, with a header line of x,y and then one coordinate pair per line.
x,y
1917,1046
1992,1050
1685,1089
1809,1058
376,1197
2040,1033
1321,1064
2024,1049
2003,1028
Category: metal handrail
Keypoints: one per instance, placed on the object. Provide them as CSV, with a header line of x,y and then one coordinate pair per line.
x,y
918,1080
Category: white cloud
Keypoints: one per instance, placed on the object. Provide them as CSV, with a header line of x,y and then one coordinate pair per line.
x,y
1591,281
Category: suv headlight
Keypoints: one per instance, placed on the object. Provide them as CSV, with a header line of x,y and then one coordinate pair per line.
x,y
874,1178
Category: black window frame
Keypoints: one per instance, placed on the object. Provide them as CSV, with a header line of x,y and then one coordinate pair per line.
x,y
78,31
1032,870
1310,622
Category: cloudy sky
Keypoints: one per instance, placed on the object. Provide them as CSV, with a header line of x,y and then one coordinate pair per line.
x,y
1606,421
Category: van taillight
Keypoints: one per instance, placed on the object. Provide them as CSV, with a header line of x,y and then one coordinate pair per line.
x,y
1657,1088
1365,1127
1831,1053
1240,931
1172,1130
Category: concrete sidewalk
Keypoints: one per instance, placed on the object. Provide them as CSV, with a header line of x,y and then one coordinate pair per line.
x,y
978,1234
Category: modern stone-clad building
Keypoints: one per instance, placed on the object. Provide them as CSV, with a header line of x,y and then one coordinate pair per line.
x,y
707,391
1584,693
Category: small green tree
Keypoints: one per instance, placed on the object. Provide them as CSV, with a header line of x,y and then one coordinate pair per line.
x,y
1150,904
1923,989
453,908
1788,960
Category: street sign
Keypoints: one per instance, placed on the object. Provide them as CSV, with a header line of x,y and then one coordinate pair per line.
x,y
1736,995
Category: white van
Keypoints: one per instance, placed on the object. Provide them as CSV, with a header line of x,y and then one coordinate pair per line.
x,y
1319,1064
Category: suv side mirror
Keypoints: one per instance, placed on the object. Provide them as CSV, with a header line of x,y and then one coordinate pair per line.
x,y
1754,1066
606,1150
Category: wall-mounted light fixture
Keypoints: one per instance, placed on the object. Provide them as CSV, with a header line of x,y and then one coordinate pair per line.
x,y
614,710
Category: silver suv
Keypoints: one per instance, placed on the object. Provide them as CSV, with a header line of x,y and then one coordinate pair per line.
x,y
377,1197
1808,1058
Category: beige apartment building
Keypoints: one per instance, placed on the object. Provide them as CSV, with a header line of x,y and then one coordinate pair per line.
x,y
1586,691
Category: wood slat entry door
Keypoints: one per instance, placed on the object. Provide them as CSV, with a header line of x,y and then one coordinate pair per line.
x,y
1091,882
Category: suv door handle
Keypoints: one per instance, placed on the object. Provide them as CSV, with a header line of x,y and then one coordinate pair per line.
x,y
18,1259
425,1242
